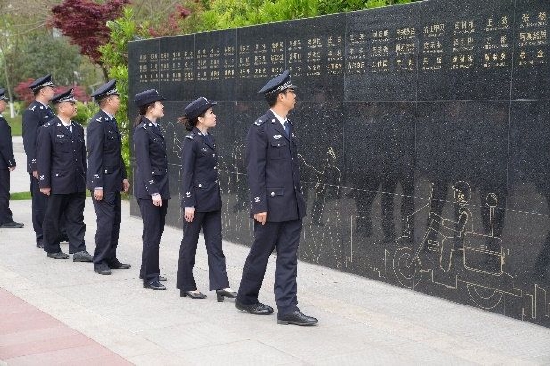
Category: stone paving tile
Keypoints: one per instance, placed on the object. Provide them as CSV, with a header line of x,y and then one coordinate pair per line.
x,y
245,352
29,336
69,356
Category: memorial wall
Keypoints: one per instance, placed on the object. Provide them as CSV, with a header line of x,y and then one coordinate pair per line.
x,y
424,139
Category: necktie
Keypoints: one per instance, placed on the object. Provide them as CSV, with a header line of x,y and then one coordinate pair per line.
x,y
287,128
69,127
114,123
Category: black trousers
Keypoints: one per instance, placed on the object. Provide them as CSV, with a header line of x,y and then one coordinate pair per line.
x,y
107,213
211,224
154,219
5,212
72,206
284,237
39,201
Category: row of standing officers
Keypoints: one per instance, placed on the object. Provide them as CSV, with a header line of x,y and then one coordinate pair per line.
x,y
60,172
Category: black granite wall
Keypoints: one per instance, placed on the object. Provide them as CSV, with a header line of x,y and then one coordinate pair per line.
x,y
424,135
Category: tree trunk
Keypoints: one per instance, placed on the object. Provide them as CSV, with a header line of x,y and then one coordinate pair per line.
x,y
105,73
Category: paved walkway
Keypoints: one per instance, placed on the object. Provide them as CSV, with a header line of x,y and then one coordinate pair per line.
x,y
360,321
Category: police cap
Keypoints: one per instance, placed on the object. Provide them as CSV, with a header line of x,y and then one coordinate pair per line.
x,y
105,90
147,97
278,84
41,83
198,107
3,94
67,96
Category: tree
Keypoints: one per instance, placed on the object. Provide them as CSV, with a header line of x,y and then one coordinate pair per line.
x,y
25,94
84,22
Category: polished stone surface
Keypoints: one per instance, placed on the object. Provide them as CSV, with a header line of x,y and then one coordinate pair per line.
x,y
423,133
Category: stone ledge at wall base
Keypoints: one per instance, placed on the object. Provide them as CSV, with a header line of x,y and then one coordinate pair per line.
x,y
423,137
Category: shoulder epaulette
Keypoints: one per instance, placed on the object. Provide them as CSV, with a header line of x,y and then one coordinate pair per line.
x,y
260,121
48,124
190,136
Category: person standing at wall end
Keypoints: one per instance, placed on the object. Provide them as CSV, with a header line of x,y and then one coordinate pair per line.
x,y
277,206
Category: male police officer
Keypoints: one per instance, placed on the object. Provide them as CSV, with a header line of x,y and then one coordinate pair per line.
x,y
277,206
61,164
37,114
7,165
106,177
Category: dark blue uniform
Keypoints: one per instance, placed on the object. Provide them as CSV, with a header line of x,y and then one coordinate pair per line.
x,y
106,170
201,190
6,161
61,165
151,177
274,181
36,115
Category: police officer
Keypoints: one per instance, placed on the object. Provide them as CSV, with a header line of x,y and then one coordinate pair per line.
x,y
201,202
61,165
36,115
151,180
277,206
7,165
106,177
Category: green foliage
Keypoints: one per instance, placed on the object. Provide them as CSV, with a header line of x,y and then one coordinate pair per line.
x,y
15,123
85,111
224,14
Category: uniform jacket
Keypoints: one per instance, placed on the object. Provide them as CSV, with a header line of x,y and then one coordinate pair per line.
x,y
273,174
106,168
151,161
61,158
6,146
36,115
199,160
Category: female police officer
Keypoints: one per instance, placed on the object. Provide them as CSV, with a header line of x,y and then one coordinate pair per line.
x,y
151,182
201,202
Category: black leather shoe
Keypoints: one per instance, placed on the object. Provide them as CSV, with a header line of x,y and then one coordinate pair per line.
x,y
221,294
40,245
12,225
192,294
58,255
297,318
257,309
161,278
155,285
116,264
102,269
82,256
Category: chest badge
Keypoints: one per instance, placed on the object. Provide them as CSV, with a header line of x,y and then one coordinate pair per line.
x,y
276,137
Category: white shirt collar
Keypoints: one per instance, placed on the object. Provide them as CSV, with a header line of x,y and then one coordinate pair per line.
x,y
111,117
65,123
279,118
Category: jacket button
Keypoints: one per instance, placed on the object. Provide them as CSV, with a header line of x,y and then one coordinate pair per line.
x,y
200,185
272,194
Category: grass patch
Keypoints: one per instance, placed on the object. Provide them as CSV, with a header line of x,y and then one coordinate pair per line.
x,y
15,124
20,196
